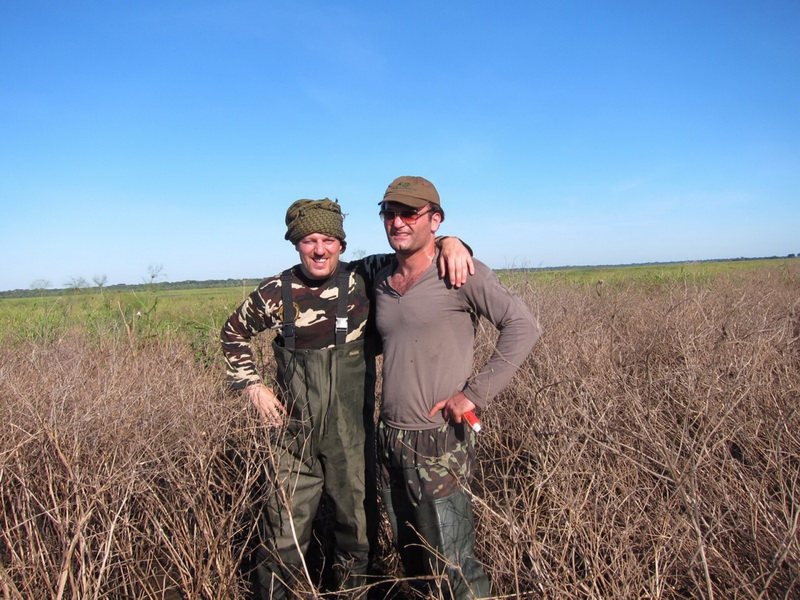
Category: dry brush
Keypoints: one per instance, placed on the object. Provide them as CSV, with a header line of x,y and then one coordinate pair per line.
x,y
649,448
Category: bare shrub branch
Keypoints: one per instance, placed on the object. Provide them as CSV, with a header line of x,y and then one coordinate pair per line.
x,y
649,448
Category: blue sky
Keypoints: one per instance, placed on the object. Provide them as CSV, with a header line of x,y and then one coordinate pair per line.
x,y
176,133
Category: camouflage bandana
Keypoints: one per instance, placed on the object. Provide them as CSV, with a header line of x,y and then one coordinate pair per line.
x,y
305,217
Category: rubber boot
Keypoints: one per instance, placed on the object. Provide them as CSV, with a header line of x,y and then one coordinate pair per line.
x,y
353,587
351,578
447,526
403,521
274,579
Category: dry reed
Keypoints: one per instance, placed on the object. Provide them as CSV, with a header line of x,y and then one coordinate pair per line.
x,y
649,448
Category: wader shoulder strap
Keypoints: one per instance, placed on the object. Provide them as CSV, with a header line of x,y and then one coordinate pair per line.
x,y
341,309
288,309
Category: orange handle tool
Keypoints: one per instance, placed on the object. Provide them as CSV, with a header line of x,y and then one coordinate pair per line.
x,y
473,421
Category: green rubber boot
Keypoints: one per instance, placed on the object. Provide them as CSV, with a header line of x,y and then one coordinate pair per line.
x,y
403,521
447,526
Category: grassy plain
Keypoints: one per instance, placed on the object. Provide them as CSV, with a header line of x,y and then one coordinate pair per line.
x,y
649,447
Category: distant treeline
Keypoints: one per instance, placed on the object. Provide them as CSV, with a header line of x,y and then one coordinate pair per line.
x,y
251,283
190,284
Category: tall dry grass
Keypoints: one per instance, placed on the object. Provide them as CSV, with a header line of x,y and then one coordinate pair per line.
x,y
649,448
116,474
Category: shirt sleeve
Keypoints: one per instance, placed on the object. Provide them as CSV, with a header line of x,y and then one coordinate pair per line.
x,y
519,331
257,313
371,265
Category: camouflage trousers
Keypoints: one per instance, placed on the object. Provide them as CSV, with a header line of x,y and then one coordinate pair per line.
x,y
429,464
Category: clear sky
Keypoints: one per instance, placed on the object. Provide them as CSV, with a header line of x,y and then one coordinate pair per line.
x,y
559,132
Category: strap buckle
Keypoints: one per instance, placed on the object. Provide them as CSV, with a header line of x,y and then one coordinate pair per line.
x,y
341,324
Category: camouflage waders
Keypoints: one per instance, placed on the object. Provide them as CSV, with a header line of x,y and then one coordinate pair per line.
x,y
321,448
423,479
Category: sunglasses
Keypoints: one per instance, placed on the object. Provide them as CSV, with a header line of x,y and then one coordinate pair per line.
x,y
409,216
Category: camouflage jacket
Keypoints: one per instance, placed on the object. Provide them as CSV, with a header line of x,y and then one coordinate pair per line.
x,y
315,315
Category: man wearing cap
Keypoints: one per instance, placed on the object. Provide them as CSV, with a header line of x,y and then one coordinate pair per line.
x,y
320,407
428,330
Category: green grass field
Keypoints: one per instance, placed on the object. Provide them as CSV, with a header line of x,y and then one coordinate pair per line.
x,y
158,310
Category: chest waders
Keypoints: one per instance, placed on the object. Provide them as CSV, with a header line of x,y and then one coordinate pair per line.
x,y
321,448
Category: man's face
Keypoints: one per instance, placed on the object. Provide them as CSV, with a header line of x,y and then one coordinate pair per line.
x,y
406,230
319,255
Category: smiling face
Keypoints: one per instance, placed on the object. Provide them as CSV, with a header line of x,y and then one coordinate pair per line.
x,y
319,255
408,233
